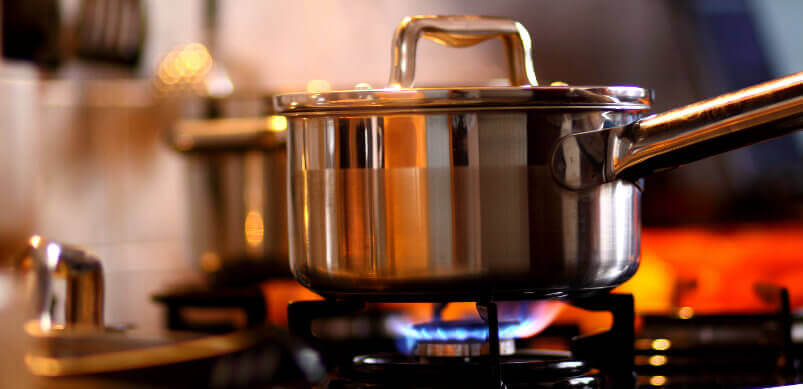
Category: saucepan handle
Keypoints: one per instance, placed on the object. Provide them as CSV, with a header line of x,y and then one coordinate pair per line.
x,y
460,31
682,135
229,134
709,127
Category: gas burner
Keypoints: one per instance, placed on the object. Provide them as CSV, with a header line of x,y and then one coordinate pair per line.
x,y
461,349
526,369
479,353
459,338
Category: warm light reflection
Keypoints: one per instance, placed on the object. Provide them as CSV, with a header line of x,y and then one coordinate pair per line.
x,y
661,344
45,321
707,105
210,262
217,82
652,284
41,327
35,240
306,217
657,380
277,123
32,327
184,69
53,253
657,360
318,86
278,293
685,312
715,270
254,228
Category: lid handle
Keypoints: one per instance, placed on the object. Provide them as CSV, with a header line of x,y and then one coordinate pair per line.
x,y
460,31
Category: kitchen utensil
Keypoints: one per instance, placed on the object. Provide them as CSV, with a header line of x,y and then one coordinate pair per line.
x,y
237,189
111,30
83,305
504,192
83,346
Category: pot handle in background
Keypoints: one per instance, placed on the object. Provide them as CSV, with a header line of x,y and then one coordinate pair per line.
x,y
460,31
84,275
229,134
682,135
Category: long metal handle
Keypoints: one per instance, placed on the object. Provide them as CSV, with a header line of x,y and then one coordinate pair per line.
x,y
230,134
710,127
460,31
682,135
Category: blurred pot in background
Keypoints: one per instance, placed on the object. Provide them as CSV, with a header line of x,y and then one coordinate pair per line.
x,y
237,191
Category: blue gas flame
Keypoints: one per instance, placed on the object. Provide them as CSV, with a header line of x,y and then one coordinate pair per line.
x,y
411,335
529,322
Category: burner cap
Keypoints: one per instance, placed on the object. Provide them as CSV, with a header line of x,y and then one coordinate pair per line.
x,y
457,348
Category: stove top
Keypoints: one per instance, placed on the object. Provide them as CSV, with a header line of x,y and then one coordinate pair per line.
x,y
524,369
684,351
446,354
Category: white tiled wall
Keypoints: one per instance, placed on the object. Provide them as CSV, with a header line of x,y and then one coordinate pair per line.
x,y
107,181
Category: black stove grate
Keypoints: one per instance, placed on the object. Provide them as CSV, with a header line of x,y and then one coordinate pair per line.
x,y
600,360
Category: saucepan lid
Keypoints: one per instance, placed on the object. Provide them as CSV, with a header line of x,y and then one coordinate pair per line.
x,y
400,95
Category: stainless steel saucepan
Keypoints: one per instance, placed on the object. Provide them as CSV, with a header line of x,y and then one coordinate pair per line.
x,y
503,192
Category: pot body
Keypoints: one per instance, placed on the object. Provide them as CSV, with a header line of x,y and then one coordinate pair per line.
x,y
455,204
238,214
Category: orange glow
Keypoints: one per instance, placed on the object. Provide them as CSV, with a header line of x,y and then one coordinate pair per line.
x,y
279,293
686,312
210,262
661,344
407,190
254,228
653,284
657,380
691,271
657,360
684,272
277,123
717,271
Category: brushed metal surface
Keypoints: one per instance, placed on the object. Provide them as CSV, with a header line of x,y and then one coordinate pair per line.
x,y
453,204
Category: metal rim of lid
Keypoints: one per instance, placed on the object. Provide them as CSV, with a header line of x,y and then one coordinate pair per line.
x,y
391,100
462,31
